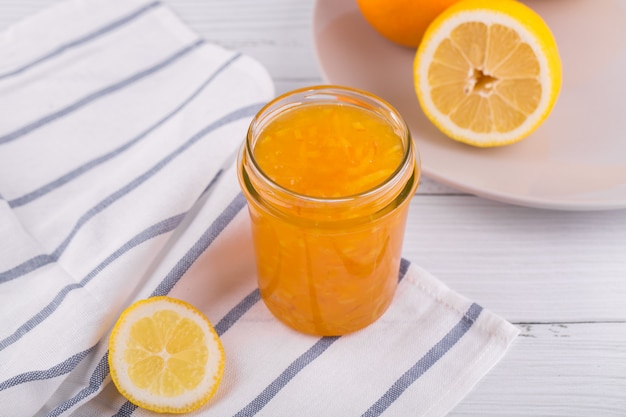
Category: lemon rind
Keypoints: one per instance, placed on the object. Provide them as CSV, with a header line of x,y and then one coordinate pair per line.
x,y
187,402
542,44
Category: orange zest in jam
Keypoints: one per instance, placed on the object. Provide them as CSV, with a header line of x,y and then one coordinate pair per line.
x,y
334,273
328,150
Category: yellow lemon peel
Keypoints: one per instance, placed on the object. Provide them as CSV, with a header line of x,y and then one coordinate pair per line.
x,y
487,72
165,356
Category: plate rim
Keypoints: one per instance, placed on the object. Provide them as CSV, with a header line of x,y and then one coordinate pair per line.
x,y
543,202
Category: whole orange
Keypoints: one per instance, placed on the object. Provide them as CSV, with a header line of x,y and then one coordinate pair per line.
x,y
402,21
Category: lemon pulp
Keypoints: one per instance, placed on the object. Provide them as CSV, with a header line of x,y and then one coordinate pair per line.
x,y
165,356
488,72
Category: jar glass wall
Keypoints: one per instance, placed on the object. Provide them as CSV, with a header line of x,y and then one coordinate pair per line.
x,y
328,173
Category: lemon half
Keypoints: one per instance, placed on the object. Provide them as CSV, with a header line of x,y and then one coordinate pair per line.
x,y
487,72
165,356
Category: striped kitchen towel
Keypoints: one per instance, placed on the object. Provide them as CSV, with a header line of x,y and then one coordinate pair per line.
x,y
119,128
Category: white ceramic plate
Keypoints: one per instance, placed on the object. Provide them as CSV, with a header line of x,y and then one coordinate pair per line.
x,y
575,161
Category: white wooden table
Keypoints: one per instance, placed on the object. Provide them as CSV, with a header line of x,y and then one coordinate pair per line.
x,y
560,276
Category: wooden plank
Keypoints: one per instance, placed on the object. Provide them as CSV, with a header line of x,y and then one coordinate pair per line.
x,y
561,276
277,33
529,265
557,370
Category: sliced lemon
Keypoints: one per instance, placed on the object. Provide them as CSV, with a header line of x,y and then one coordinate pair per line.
x,y
487,72
165,356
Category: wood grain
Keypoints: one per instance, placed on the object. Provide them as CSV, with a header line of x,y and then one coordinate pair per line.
x,y
529,265
559,276
573,369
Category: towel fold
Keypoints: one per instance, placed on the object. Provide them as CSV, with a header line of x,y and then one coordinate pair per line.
x,y
119,128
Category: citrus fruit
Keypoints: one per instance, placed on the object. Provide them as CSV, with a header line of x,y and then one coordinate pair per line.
x,y
402,21
487,72
165,356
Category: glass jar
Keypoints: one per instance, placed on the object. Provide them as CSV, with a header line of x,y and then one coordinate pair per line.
x,y
328,264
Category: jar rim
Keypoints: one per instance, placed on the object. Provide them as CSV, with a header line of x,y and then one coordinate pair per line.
x,y
352,96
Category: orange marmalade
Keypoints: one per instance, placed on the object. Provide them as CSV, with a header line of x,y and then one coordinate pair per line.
x,y
328,173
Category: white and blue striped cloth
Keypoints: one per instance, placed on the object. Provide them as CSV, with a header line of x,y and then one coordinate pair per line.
x,y
118,133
